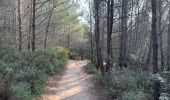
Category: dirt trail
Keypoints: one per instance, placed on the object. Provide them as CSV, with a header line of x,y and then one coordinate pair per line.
x,y
74,84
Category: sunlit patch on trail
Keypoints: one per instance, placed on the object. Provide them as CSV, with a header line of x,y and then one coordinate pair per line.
x,y
73,85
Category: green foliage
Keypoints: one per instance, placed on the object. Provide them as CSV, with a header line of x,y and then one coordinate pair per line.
x,y
21,91
75,55
165,85
24,74
79,54
128,80
7,69
8,53
126,85
135,95
90,68
38,85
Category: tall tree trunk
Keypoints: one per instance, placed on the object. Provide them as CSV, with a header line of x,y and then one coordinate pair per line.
x,y
91,35
168,47
68,41
109,34
33,26
47,29
19,25
149,56
29,35
123,38
160,33
13,27
97,37
30,28
135,39
155,50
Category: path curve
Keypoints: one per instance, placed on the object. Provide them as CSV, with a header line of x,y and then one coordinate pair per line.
x,y
74,84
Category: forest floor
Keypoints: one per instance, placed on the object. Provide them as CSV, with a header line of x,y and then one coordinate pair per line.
x,y
73,84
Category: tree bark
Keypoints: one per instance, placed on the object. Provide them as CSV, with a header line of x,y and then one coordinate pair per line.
x,y
47,30
19,25
109,33
123,38
155,49
91,35
33,25
149,56
168,47
30,28
160,33
97,37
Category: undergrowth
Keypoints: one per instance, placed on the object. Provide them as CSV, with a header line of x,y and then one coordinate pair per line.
x,y
121,85
23,74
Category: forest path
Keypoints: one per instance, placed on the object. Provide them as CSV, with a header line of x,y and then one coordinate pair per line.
x,y
74,84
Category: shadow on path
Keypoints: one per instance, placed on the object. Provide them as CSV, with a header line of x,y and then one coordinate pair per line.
x,y
74,84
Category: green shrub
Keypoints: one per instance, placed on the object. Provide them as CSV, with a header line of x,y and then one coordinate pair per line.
x,y
128,80
61,52
7,69
90,68
29,74
24,74
74,56
126,84
8,53
49,61
21,91
38,85
135,95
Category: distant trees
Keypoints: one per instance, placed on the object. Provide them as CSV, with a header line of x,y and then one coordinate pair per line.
x,y
40,23
127,32
131,37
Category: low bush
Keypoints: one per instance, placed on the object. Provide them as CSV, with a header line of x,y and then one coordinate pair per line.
x,y
90,68
24,74
79,54
135,95
125,84
74,56
21,91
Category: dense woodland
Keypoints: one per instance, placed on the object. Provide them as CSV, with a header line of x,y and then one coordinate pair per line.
x,y
127,42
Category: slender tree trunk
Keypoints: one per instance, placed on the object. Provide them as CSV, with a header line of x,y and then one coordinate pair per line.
x,y
29,35
160,33
131,37
155,50
30,28
168,47
47,29
68,41
123,38
135,38
97,37
124,20
109,34
148,59
33,26
13,27
91,35
19,25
